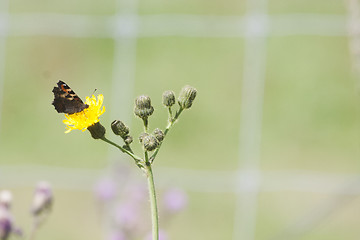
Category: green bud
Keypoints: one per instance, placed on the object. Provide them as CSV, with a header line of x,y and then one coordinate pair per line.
x,y
97,130
143,101
119,128
143,108
128,140
187,96
150,142
168,98
159,135
142,136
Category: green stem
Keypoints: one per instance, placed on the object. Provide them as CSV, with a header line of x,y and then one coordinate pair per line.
x,y
153,203
32,233
170,114
146,154
136,158
170,124
128,146
38,221
146,123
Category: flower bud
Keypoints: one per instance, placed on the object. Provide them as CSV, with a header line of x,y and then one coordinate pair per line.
x,y
159,134
143,108
97,130
5,199
119,128
150,142
187,96
128,140
142,136
43,198
168,98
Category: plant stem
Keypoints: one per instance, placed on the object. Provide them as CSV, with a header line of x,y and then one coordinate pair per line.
x,y
136,158
36,224
146,154
170,124
32,233
153,203
146,123
170,114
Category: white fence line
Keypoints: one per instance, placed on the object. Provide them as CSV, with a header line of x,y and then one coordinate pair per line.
x,y
252,97
4,6
204,181
82,26
125,28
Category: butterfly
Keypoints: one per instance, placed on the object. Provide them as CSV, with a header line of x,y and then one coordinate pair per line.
x,y
66,100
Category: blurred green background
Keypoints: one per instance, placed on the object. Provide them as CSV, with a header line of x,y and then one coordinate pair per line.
x,y
304,161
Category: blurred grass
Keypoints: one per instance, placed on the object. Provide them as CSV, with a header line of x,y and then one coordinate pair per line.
x,y
310,121
205,218
311,111
75,215
290,212
34,65
307,6
195,7
65,6
170,63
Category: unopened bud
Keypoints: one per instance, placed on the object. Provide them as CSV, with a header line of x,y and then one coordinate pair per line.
x,y
187,96
128,140
119,128
143,108
159,134
142,136
97,130
168,98
43,199
150,143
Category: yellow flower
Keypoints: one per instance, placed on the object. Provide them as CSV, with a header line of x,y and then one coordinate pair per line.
x,y
86,118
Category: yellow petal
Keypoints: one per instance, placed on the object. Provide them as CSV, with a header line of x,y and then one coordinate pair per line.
x,y
86,118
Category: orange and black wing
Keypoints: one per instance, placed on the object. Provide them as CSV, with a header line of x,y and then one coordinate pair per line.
x,y
66,100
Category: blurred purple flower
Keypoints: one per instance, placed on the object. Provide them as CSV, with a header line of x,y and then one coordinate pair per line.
x,y
6,221
162,235
105,189
5,199
127,216
6,224
136,193
43,198
175,200
117,236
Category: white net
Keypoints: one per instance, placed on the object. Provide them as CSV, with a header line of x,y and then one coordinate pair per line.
x,y
254,27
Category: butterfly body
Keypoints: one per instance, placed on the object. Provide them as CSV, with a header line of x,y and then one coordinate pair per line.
x,y
66,100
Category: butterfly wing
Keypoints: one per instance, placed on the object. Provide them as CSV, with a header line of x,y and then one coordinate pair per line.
x,y
66,100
